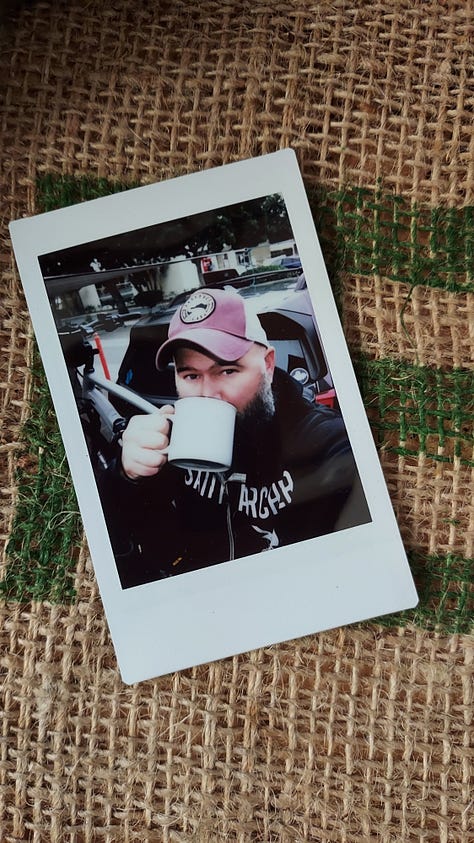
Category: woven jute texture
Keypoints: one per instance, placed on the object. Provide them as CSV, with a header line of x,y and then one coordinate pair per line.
x,y
357,734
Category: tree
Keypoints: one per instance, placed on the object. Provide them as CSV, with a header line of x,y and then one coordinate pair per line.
x,y
238,226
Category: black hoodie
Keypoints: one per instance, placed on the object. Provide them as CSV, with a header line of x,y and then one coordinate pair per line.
x,y
293,477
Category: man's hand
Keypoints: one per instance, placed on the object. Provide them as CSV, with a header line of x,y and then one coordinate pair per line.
x,y
143,442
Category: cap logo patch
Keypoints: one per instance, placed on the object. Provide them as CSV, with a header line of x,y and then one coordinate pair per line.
x,y
198,307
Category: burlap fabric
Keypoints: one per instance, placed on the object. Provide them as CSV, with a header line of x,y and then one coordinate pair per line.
x,y
355,735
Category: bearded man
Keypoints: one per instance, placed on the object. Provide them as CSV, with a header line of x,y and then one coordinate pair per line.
x,y
293,476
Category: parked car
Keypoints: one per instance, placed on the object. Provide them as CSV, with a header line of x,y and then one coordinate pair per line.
x,y
292,262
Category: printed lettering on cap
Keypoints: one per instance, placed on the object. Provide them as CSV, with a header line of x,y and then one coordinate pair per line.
x,y
197,308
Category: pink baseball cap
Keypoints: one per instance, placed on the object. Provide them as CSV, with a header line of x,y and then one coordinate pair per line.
x,y
218,322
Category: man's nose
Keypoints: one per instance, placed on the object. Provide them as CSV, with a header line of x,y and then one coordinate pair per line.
x,y
209,389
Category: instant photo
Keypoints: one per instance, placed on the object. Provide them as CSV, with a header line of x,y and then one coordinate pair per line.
x,y
224,467
286,471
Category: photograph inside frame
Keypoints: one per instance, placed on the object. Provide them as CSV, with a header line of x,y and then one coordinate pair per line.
x,y
203,388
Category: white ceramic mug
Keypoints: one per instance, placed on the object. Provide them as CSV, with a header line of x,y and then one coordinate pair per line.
x,y
202,434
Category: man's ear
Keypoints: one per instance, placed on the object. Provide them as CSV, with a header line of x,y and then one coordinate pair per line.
x,y
270,361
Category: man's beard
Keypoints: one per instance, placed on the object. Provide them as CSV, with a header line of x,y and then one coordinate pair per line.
x,y
262,406
256,438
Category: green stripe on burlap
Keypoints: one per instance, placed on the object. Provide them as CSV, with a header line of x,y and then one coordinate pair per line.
x,y
418,410
412,410
55,192
43,546
445,589
367,233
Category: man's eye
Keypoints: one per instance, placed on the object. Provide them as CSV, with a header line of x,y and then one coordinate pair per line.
x,y
229,371
190,376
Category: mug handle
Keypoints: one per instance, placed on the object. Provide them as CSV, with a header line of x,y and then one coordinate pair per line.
x,y
170,421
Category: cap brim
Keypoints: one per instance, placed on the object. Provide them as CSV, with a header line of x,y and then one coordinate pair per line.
x,y
218,344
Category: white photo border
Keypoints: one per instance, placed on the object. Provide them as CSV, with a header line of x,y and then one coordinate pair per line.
x,y
216,612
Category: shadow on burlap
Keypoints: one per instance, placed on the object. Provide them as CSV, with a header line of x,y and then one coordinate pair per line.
x,y
350,735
